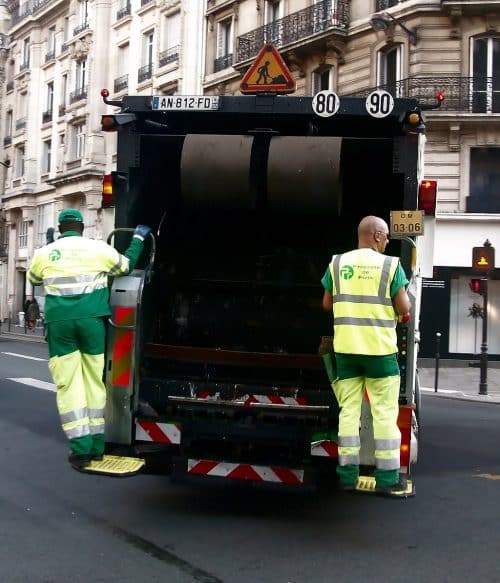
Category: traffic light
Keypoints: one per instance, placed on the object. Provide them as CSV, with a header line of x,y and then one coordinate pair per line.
x,y
477,285
483,258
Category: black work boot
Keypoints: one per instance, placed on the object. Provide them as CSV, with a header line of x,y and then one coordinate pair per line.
x,y
79,461
397,490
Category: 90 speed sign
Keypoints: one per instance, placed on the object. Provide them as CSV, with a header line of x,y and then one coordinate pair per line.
x,y
325,103
379,103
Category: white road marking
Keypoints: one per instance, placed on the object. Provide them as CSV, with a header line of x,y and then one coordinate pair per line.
x,y
447,391
35,383
24,356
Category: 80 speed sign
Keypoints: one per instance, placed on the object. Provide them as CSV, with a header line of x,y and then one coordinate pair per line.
x,y
325,103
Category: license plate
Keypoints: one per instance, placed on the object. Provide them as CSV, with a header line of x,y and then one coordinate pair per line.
x,y
406,223
185,102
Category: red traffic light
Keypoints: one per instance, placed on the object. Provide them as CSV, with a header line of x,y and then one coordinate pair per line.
x,y
478,285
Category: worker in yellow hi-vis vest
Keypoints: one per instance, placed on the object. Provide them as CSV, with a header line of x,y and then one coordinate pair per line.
x,y
74,271
367,292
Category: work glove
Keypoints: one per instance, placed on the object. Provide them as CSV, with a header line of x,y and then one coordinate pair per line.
x,y
142,231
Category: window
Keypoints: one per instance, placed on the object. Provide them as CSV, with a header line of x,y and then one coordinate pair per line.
x,y
51,43
50,97
486,75
147,48
46,156
78,146
60,153
66,29
224,37
273,12
389,70
322,79
80,76
64,94
19,161
83,13
23,234
45,219
172,31
8,124
484,180
25,56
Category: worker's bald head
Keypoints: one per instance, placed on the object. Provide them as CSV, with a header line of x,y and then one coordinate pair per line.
x,y
373,233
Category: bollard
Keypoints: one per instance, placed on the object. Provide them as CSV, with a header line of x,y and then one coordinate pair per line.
x,y
436,366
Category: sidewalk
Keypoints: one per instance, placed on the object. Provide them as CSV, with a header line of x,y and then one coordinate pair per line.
x,y
460,382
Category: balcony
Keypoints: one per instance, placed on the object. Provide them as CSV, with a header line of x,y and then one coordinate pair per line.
x,y
24,66
462,94
316,19
121,83
9,86
125,11
145,73
64,48
144,2
78,94
7,141
80,28
169,56
223,62
50,56
47,116
384,4
62,110
28,8
20,124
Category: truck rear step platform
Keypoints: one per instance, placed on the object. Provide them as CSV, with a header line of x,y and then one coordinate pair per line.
x,y
115,465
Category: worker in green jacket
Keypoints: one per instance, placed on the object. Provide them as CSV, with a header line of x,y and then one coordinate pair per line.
x,y
74,271
367,292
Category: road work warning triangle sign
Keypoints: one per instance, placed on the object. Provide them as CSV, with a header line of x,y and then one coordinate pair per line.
x,y
268,74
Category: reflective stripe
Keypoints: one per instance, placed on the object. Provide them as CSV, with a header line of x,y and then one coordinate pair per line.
x,y
349,441
74,279
118,267
384,278
76,289
75,415
96,413
339,321
335,273
345,460
79,431
383,444
387,464
362,299
34,279
96,428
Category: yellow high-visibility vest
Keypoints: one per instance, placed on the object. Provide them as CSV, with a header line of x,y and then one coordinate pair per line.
x,y
364,317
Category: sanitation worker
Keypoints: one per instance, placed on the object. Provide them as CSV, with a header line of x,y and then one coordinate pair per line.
x,y
74,271
367,292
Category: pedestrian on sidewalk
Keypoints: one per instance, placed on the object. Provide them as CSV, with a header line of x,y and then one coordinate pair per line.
x,y
74,271
367,291
33,314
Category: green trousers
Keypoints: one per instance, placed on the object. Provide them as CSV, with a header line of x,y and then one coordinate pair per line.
x,y
76,350
380,377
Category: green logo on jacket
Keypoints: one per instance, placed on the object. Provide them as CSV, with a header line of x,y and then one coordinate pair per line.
x,y
346,272
55,255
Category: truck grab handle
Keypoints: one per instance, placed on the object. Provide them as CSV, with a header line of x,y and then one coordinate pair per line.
x,y
149,267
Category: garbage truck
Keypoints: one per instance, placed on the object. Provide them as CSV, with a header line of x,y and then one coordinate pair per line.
x,y
217,342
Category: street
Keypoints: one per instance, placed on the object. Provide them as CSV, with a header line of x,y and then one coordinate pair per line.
x,y
58,525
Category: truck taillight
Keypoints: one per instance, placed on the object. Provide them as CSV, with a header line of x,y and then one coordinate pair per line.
x,y
427,197
107,192
108,123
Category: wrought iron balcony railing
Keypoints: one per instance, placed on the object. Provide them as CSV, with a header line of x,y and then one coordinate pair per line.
x,y
64,47
144,2
50,55
297,26
47,116
145,72
125,11
7,140
462,94
223,62
121,83
20,123
62,110
27,9
384,4
78,94
24,66
168,56
80,28
9,86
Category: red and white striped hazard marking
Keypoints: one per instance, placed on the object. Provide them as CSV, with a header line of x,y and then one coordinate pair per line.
x,y
325,449
274,400
245,472
157,432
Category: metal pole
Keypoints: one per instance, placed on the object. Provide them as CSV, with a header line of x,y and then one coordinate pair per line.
x,y
483,359
436,367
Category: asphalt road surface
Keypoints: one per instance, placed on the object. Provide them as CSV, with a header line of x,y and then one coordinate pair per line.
x,y
58,525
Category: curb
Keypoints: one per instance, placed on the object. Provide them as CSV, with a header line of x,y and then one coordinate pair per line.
x,y
459,396
25,337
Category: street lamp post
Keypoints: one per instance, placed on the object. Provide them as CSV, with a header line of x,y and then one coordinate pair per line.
x,y
483,358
